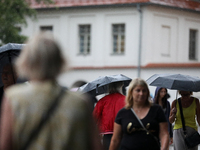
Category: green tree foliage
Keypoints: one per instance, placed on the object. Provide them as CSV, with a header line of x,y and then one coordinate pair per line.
x,y
13,13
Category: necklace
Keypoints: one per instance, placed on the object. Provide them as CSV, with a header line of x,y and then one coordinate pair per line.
x,y
185,102
138,110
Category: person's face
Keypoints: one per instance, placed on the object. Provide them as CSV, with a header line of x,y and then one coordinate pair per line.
x,y
185,93
140,94
163,92
7,76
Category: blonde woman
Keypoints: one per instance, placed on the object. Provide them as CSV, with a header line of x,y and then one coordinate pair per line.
x,y
127,129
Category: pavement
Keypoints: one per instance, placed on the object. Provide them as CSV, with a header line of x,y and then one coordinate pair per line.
x,y
171,147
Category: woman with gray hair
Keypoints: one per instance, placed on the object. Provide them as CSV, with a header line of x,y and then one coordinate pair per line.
x,y
106,110
41,115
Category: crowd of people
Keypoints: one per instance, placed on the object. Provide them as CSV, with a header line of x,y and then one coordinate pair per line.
x,y
44,115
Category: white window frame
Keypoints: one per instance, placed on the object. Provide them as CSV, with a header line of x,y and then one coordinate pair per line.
x,y
85,39
118,38
193,37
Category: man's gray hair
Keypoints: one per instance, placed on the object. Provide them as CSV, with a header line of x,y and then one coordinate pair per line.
x,y
41,58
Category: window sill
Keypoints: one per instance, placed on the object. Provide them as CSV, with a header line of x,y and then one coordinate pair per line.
x,y
82,54
117,54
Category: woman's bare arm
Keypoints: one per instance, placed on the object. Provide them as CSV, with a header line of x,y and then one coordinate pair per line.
x,y
164,136
116,138
173,111
198,110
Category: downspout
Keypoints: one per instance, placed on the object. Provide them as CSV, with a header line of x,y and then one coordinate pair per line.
x,y
140,40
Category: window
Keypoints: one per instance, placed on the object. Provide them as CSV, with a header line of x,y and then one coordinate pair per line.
x,y
118,33
84,39
46,28
165,40
193,44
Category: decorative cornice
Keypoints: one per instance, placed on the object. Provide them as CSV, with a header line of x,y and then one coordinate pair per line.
x,y
148,66
103,67
183,4
172,65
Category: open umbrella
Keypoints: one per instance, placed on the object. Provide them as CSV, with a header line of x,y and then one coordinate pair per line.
x,y
175,81
100,85
8,53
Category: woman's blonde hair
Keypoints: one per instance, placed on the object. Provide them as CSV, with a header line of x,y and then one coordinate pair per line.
x,y
131,87
41,58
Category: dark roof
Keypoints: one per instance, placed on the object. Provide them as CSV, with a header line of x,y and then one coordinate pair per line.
x,y
183,4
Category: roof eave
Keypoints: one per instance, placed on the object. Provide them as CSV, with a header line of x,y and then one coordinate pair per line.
x,y
177,8
92,6
116,5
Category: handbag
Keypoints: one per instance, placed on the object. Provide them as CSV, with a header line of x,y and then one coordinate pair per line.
x,y
192,140
155,138
44,119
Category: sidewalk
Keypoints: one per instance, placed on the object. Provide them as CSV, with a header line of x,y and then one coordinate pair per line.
x,y
171,147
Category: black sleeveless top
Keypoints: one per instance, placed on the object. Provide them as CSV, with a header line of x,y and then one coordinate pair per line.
x,y
134,136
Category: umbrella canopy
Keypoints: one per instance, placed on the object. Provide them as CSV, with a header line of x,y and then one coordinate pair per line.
x,y
100,85
175,81
8,53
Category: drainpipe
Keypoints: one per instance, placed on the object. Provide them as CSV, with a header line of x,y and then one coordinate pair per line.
x,y
140,40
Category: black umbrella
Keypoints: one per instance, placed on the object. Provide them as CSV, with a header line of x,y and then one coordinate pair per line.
x,y
100,85
175,81
8,53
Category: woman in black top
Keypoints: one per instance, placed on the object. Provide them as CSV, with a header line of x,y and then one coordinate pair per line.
x,y
127,129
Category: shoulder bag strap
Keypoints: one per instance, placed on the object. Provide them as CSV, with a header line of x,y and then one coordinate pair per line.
x,y
144,127
182,117
44,119
139,120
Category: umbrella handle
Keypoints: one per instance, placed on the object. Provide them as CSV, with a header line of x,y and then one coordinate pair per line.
x,y
97,88
176,94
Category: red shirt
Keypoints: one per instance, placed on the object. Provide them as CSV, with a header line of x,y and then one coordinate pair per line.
x,y
106,110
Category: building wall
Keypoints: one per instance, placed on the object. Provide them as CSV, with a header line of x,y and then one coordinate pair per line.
x,y
166,35
165,39
65,26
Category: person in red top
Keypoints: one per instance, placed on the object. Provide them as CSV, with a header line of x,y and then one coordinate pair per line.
x,y
106,110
